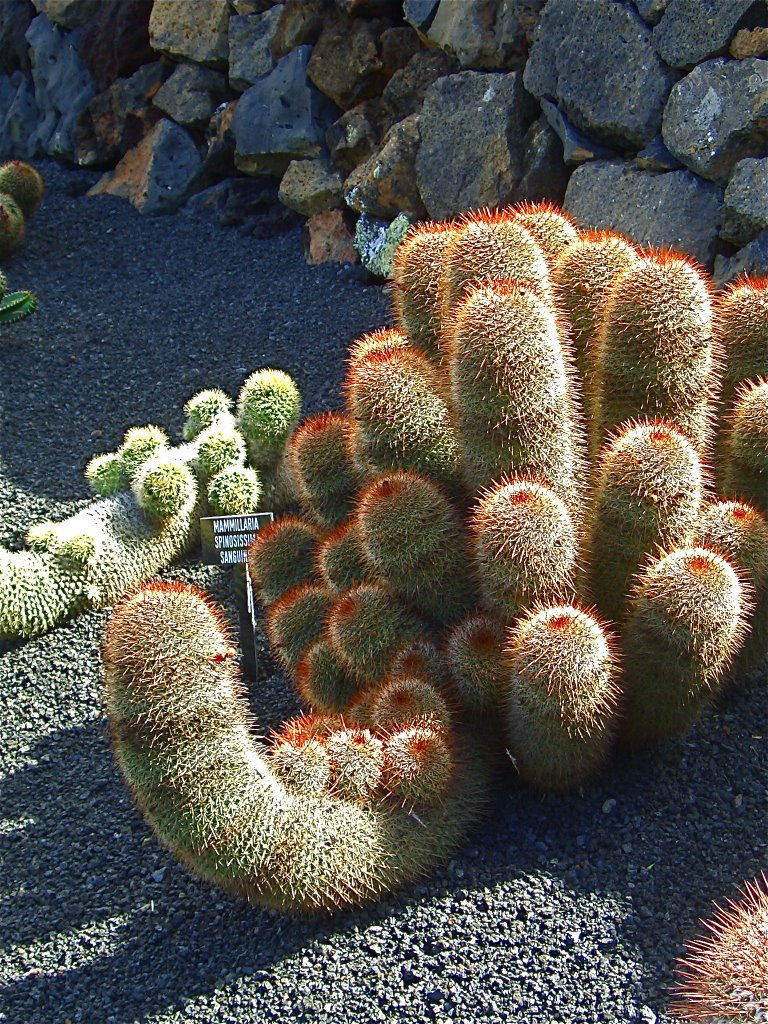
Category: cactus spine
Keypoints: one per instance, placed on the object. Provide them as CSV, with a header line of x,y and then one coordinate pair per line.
x,y
24,183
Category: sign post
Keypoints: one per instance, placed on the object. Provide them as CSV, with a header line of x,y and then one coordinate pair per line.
x,y
225,541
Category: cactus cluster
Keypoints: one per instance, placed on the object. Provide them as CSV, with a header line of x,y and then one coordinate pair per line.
x,y
148,497
21,192
515,523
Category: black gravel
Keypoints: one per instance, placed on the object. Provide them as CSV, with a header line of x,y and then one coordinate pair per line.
x,y
562,910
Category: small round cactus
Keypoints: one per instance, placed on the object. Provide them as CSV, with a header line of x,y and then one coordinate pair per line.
x,y
140,445
234,491
411,539
296,620
418,765
366,626
416,284
394,399
322,466
724,975
551,229
491,245
163,486
405,701
746,444
648,492
24,183
387,339
340,559
218,448
203,409
268,409
324,680
106,475
474,652
687,619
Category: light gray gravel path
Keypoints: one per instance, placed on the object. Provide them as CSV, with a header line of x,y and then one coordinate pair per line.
x,y
563,910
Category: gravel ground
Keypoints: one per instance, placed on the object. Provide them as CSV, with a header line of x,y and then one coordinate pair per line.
x,y
561,910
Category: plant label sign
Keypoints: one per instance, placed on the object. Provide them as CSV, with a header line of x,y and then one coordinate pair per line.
x,y
225,541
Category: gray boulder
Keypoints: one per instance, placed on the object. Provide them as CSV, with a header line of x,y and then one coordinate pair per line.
x,y
472,129
18,128
745,207
691,31
718,115
281,118
752,259
420,13
15,16
596,60
674,209
191,94
250,40
63,86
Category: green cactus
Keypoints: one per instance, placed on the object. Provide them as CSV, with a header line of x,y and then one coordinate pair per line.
x,y
525,546
417,284
15,306
24,183
745,446
648,491
340,560
410,537
150,498
320,456
283,555
687,620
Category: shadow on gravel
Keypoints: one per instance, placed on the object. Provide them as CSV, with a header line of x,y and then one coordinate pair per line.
x,y
659,837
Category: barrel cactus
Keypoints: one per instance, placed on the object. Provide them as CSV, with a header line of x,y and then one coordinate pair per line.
x,y
150,496
14,305
507,532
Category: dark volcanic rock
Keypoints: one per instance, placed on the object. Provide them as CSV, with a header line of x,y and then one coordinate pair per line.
x,y
472,128
545,175
718,115
118,119
596,60
346,63
745,208
115,43
690,31
385,185
281,118
15,16
675,209
191,94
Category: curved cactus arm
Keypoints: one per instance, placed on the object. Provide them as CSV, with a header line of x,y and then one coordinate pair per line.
x,y
17,306
179,727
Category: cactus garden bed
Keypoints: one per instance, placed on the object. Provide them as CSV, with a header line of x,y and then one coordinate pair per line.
x,y
569,908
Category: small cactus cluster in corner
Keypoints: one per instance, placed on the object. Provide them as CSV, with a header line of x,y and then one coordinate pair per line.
x,y
539,519
14,305
21,192
149,496
724,975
